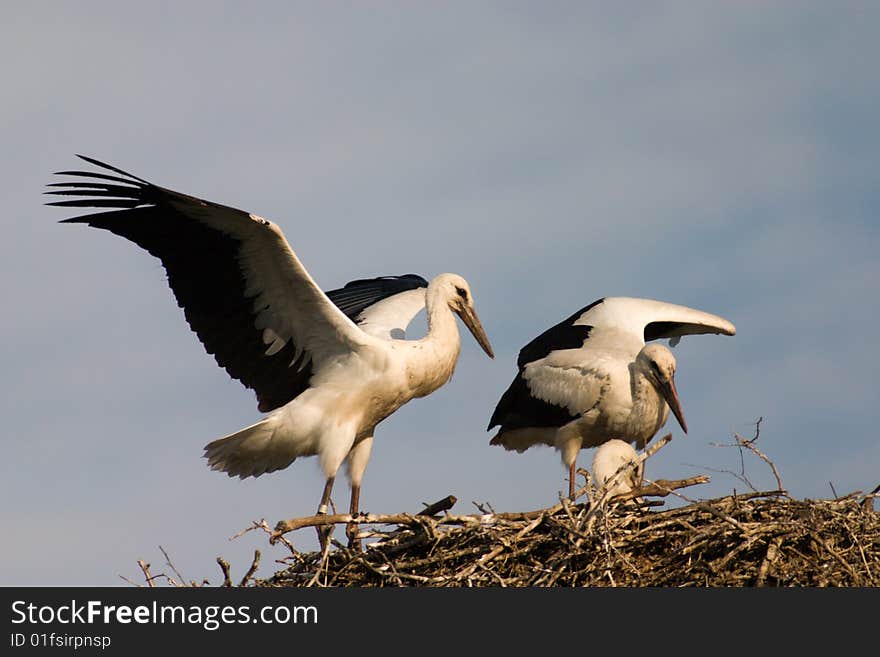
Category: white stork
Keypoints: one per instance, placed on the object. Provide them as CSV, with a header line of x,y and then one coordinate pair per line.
x,y
326,367
591,378
608,459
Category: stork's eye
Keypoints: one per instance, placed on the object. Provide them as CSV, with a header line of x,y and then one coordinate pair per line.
x,y
461,292
655,367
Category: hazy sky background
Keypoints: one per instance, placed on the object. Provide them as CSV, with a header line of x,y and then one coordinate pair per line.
x,y
724,156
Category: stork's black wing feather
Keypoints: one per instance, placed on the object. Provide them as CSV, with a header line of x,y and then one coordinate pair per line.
x,y
564,335
518,408
357,296
204,274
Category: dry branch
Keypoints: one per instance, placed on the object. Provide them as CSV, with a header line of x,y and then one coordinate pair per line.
x,y
254,565
663,487
173,568
224,566
439,506
145,568
750,445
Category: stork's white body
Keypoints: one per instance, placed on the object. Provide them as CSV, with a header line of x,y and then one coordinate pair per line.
x,y
598,384
348,397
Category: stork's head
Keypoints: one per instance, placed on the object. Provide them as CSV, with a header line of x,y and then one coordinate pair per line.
x,y
608,459
457,293
657,364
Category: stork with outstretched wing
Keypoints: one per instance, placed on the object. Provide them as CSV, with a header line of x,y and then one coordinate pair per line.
x,y
327,368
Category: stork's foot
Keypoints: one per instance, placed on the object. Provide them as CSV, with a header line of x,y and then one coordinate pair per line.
x,y
351,531
324,531
324,534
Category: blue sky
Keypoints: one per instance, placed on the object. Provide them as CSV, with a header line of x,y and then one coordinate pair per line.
x,y
716,155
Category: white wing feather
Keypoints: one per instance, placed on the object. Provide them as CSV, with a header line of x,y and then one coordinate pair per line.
x,y
287,301
631,315
576,387
389,318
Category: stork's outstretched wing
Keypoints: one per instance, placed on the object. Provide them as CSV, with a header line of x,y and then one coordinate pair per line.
x,y
609,318
382,306
647,319
241,286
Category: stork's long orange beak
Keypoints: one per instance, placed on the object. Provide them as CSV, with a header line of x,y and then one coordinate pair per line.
x,y
469,317
670,394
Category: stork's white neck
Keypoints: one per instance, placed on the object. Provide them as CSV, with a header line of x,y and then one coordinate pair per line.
x,y
649,410
432,359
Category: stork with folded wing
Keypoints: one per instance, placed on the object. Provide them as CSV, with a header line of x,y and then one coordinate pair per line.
x,y
592,378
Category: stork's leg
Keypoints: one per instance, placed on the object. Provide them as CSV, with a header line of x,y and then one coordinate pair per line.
x,y
357,463
324,531
323,507
332,454
568,442
351,529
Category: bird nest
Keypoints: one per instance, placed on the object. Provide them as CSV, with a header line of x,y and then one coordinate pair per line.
x,y
756,539
753,539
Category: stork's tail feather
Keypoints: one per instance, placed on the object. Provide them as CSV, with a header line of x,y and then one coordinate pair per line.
x,y
519,440
253,451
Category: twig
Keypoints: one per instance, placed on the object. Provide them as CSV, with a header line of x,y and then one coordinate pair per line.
x,y
224,566
485,508
171,565
124,578
769,558
145,567
649,451
439,506
322,564
254,525
318,520
662,487
727,471
254,565
272,537
750,445
754,438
